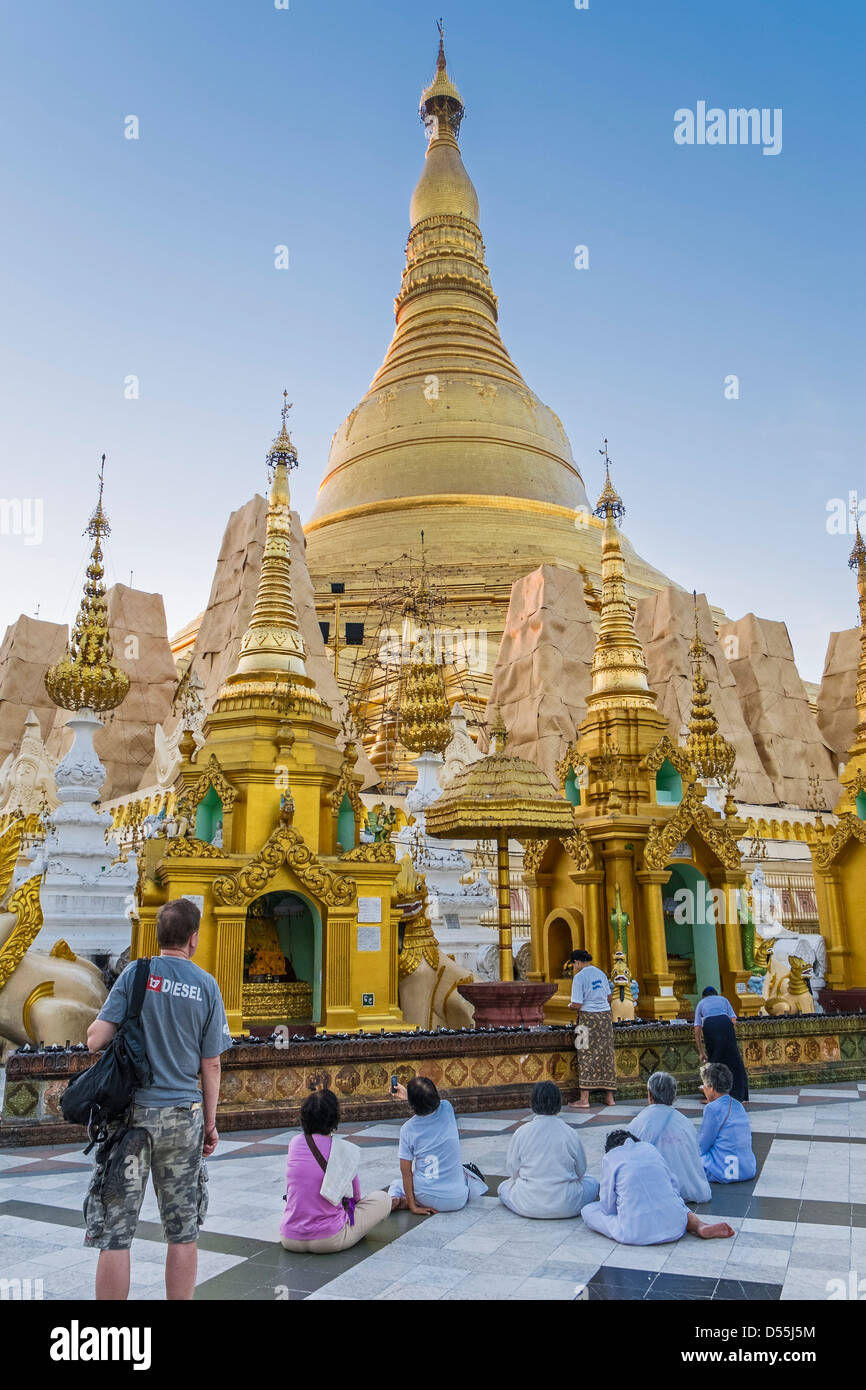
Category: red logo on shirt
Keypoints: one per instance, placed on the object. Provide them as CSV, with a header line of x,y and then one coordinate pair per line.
x,y
154,982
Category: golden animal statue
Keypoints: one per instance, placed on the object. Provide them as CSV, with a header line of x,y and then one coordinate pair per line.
x,y
785,987
50,997
621,1004
428,979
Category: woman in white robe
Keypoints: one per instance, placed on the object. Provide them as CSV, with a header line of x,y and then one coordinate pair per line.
x,y
639,1202
546,1163
674,1136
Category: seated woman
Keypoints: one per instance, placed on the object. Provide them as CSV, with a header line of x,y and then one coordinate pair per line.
x,y
546,1163
716,1038
640,1202
673,1135
432,1175
324,1208
725,1138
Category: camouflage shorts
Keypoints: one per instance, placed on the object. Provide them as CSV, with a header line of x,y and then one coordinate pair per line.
x,y
166,1142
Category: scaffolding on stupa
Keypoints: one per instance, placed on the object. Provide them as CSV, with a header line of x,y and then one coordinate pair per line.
x,y
403,628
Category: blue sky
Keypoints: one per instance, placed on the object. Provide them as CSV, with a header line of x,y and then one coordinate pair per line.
x,y
260,127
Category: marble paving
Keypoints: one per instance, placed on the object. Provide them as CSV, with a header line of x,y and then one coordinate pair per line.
x,y
800,1225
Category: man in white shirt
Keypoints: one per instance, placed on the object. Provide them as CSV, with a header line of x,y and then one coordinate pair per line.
x,y
593,1034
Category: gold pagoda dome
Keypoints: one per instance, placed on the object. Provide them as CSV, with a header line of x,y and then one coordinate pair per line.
x,y
449,437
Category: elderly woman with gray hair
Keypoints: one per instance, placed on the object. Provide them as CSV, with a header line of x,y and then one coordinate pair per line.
x,y
725,1139
674,1136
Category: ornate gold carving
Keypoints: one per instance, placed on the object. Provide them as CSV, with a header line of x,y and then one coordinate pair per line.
x,y
43,991
26,906
579,848
62,950
183,847
10,848
212,776
571,761
676,756
848,826
382,853
533,853
285,846
264,1000
346,785
691,812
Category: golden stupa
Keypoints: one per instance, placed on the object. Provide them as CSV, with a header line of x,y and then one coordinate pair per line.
x,y
449,438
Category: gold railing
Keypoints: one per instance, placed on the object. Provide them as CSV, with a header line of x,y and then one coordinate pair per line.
x,y
799,901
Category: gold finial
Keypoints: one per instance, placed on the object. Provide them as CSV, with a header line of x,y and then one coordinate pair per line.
x,y
86,677
442,106
610,504
709,752
498,732
619,669
273,641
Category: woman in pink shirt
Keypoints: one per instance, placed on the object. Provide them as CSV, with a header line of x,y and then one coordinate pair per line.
x,y
311,1223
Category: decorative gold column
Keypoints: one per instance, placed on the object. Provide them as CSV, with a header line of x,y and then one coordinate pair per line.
x,y
657,998
592,883
537,915
834,927
144,942
503,889
229,963
337,1012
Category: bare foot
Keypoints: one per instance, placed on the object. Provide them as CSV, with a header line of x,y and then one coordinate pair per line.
x,y
399,1204
609,1100
720,1230
576,1105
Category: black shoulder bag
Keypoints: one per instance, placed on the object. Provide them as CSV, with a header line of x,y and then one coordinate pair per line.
x,y
106,1090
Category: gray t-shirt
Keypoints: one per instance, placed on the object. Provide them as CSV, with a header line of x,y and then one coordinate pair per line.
x,y
183,1020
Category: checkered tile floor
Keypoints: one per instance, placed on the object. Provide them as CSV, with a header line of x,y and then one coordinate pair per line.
x,y
800,1225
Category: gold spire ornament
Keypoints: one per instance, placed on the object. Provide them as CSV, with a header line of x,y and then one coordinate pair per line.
x,y
425,713
857,562
708,751
86,678
619,669
273,641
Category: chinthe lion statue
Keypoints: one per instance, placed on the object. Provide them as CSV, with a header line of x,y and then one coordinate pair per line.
x,y
428,979
45,996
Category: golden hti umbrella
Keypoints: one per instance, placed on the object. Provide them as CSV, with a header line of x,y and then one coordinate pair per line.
x,y
501,798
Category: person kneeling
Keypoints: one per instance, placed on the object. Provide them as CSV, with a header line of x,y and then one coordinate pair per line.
x,y
640,1202
324,1209
432,1175
725,1138
546,1163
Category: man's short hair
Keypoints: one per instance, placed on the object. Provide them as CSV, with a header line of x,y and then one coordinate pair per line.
x,y
320,1113
583,956
176,922
546,1098
422,1095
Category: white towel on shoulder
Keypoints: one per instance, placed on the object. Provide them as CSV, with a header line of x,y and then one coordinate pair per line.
x,y
343,1163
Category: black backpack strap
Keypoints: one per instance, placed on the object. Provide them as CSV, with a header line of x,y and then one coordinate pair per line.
x,y
139,986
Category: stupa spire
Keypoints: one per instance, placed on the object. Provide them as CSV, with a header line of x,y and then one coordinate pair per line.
x,y
709,752
619,669
857,562
86,677
273,641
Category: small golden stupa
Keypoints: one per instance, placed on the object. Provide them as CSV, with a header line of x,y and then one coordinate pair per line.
x,y
86,677
501,798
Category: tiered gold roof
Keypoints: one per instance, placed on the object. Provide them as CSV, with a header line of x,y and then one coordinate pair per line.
x,y
500,793
708,751
86,677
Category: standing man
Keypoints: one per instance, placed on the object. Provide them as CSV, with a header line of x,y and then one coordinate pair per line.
x,y
591,994
173,1121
